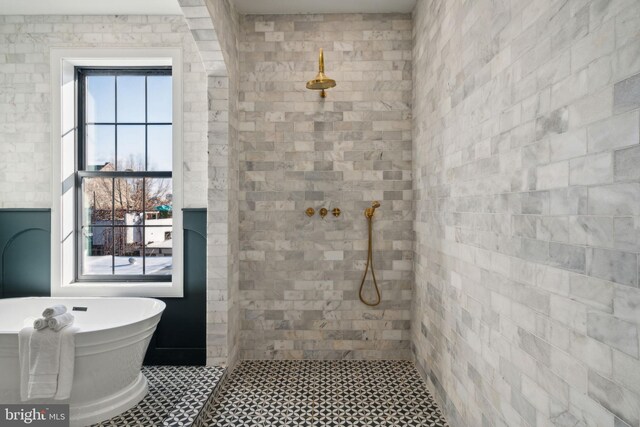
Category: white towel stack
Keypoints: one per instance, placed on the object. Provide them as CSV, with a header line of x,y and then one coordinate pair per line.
x,y
47,354
54,317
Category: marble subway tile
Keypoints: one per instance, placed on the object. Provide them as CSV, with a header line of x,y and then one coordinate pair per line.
x,y
626,94
626,371
612,331
616,199
615,132
591,170
568,145
568,257
626,163
554,175
626,303
616,266
626,233
620,401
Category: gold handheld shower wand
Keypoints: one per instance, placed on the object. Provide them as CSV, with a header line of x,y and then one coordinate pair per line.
x,y
368,213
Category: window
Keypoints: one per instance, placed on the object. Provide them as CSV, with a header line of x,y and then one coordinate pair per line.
x,y
124,174
116,216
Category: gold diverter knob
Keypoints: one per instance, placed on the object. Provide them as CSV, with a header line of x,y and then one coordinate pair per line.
x,y
323,212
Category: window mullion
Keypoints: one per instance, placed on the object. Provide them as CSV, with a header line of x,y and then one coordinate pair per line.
x,y
115,160
144,181
113,225
144,226
124,174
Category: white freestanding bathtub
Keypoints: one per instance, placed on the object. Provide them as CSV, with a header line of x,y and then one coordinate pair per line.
x,y
110,346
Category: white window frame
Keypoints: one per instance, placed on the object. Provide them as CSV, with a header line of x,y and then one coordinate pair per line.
x,y
63,155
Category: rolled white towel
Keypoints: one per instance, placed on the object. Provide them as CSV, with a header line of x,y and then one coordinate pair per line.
x,y
54,310
58,322
40,324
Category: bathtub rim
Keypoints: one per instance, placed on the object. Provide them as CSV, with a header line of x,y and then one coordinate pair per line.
x,y
161,306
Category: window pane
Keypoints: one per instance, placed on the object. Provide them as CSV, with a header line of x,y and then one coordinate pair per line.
x,y
131,97
159,225
128,201
159,146
159,200
129,211
100,147
97,248
128,259
101,99
131,148
159,99
97,201
159,260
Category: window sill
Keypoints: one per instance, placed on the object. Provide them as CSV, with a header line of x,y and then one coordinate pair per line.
x,y
119,289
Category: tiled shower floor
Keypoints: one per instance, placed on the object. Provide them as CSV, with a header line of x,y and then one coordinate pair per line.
x,y
322,393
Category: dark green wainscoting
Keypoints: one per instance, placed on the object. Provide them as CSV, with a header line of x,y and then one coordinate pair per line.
x,y
181,335
25,259
25,252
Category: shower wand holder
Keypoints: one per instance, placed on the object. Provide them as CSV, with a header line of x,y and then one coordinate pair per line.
x,y
369,212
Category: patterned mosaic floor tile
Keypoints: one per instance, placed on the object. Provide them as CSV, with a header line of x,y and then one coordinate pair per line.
x,y
176,396
350,393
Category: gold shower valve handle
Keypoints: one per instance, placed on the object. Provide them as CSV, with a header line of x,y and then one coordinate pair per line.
x,y
336,212
323,212
310,212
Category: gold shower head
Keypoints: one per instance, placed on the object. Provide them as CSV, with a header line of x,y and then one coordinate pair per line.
x,y
321,82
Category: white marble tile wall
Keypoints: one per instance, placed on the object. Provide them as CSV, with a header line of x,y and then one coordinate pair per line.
x,y
25,96
299,276
223,311
525,158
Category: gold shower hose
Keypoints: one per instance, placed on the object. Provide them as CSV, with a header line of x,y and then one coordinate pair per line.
x,y
368,213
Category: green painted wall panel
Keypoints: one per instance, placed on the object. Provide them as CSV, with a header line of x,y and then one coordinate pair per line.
x,y
25,253
181,335
25,260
